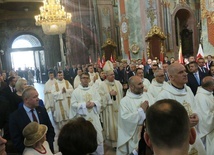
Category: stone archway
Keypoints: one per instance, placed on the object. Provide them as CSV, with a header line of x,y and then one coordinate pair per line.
x,y
27,45
184,29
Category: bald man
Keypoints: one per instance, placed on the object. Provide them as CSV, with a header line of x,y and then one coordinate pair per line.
x,y
163,120
132,115
205,108
178,90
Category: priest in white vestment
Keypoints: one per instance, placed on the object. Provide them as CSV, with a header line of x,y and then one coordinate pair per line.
x,y
111,92
77,78
98,82
93,75
178,90
205,108
61,91
157,83
86,102
146,82
132,115
48,97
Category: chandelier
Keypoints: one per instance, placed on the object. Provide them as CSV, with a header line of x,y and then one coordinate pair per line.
x,y
53,17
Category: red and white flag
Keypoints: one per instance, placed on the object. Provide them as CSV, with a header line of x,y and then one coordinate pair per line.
x,y
180,55
129,57
111,58
200,52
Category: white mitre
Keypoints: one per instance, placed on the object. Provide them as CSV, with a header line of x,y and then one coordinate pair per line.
x,y
108,66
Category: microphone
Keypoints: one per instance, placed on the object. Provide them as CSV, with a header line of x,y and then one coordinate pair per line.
x,y
114,98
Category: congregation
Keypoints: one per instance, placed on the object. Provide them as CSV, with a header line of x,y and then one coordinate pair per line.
x,y
115,99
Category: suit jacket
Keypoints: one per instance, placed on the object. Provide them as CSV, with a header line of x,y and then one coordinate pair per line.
x,y
192,82
116,74
203,70
130,74
19,119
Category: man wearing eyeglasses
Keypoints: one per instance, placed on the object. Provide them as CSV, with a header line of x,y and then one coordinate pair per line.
x,y
86,103
157,83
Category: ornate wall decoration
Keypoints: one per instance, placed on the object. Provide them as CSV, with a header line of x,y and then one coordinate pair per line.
x,y
155,30
207,13
182,2
135,48
151,12
124,27
106,11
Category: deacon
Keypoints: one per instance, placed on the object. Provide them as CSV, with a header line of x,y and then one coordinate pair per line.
x,y
47,91
86,103
111,92
61,91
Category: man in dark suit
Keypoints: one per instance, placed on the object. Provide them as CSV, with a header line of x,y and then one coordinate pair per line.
x,y
116,71
132,70
201,66
31,111
68,74
147,66
209,62
194,77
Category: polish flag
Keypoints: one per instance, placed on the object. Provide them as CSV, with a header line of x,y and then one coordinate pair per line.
x,y
111,58
200,52
89,59
129,58
180,56
98,61
143,59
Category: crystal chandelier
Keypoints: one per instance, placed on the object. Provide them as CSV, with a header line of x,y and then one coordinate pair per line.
x,y
53,17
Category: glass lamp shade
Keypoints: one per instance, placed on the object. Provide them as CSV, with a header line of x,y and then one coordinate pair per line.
x,y
53,28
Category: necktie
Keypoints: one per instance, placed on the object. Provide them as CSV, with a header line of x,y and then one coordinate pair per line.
x,y
197,78
33,116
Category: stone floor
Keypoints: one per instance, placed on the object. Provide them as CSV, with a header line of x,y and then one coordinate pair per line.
x,y
40,88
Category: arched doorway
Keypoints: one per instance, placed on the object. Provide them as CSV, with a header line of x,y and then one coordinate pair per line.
x,y
184,29
27,54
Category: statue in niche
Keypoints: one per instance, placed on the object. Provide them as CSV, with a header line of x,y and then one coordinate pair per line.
x,y
187,41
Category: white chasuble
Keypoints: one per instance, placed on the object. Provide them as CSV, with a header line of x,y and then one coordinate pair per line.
x,y
130,120
205,108
186,98
62,101
110,107
48,96
80,96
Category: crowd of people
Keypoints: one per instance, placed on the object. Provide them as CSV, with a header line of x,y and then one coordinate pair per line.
x,y
116,102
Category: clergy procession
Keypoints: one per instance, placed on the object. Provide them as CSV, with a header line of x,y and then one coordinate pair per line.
x,y
115,98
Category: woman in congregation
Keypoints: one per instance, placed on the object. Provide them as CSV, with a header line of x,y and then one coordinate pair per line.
x,y
35,140
77,137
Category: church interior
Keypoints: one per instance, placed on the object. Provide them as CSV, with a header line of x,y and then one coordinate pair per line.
x,y
119,29
80,32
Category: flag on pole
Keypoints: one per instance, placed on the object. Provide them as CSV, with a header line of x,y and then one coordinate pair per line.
x,y
111,58
103,61
89,59
143,59
180,55
200,52
98,61
161,54
129,58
